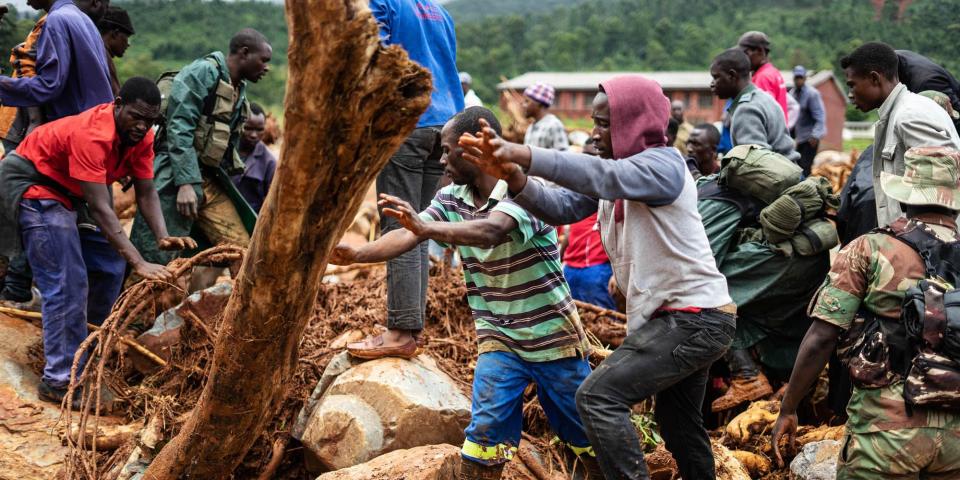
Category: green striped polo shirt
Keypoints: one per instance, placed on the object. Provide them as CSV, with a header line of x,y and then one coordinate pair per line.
x,y
520,301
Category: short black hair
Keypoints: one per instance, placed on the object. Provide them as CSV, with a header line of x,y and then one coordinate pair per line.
x,y
139,88
249,38
469,121
256,109
673,126
713,135
873,57
733,59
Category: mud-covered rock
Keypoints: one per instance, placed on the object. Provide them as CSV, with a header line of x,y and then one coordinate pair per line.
x,y
166,330
431,462
363,410
817,461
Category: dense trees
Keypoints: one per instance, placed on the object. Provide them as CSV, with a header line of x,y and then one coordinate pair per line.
x,y
510,37
654,35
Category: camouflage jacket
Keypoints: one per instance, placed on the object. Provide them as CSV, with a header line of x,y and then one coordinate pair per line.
x,y
873,273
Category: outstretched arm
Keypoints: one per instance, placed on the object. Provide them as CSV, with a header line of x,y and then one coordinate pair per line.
x,y
655,179
819,342
488,232
101,209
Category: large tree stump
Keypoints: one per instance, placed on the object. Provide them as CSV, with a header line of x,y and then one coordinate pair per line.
x,y
350,103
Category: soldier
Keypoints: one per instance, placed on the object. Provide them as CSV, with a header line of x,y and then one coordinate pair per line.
x,y
869,279
196,147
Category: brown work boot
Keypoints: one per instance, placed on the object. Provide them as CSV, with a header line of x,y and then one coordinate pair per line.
x,y
470,470
743,390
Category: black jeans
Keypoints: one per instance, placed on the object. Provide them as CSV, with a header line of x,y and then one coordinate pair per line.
x,y
412,174
669,357
807,153
19,279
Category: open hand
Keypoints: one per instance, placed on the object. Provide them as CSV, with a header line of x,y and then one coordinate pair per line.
x,y
152,271
494,155
177,243
786,425
403,212
343,254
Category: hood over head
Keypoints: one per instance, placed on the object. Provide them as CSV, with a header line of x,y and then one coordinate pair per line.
x,y
639,112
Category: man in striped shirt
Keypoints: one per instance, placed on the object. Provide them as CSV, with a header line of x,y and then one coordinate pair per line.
x,y
528,328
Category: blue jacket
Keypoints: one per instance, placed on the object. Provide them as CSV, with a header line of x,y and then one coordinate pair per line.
x,y
425,30
72,71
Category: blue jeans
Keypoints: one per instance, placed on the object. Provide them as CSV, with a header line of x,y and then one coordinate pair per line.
x,y
79,276
590,284
498,384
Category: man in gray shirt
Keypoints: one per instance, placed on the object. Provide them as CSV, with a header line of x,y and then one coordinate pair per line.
x,y
812,122
755,117
907,119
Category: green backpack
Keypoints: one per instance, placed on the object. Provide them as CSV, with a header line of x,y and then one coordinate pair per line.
x,y
212,137
761,173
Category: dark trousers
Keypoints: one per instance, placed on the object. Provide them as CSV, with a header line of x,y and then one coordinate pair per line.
x,y
807,153
412,174
18,280
79,276
669,358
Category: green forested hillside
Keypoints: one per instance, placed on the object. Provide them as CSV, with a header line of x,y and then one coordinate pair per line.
x,y
684,35
509,37
472,10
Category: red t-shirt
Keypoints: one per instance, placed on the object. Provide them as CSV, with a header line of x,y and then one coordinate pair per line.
x,y
768,79
84,148
584,247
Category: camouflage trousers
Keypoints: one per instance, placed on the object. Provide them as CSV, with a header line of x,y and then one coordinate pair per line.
x,y
217,219
909,453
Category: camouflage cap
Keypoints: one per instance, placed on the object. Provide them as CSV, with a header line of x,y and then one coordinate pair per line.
x,y
943,100
931,177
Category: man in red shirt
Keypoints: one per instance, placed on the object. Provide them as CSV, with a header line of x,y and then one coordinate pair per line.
x,y
55,204
765,76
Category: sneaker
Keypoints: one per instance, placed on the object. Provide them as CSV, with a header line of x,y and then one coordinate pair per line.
x,y
742,390
56,395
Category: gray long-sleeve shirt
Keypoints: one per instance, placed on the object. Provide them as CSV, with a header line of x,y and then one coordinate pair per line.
x,y
758,119
659,251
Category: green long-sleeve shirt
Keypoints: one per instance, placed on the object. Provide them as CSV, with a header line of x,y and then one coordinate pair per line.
x,y
176,161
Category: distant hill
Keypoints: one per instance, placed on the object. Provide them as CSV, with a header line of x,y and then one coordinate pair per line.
x,y
608,35
510,37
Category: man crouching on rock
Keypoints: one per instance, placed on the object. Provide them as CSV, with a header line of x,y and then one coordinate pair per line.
x,y
55,204
528,328
680,318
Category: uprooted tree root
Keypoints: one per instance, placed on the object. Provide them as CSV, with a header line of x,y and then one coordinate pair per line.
x,y
164,399
159,395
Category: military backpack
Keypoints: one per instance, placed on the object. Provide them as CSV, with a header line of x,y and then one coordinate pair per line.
x,y
212,136
922,348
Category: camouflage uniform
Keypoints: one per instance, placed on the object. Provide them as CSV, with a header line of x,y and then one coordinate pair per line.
x,y
944,101
873,273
